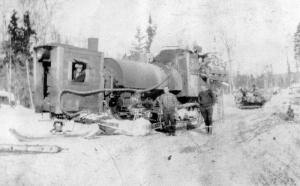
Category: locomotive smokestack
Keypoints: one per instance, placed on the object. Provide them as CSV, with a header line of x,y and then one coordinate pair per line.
x,y
93,44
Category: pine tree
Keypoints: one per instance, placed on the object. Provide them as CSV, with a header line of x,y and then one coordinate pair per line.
x,y
29,32
151,31
20,36
13,30
19,53
138,46
141,47
297,46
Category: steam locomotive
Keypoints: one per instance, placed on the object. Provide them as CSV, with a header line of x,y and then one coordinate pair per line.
x,y
68,79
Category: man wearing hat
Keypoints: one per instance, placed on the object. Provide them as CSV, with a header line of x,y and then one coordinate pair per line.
x,y
206,100
79,73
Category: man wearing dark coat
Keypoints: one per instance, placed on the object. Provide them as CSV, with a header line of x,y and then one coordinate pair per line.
x,y
79,73
206,100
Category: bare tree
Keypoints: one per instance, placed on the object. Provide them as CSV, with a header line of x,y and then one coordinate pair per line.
x,y
42,13
4,10
229,45
224,41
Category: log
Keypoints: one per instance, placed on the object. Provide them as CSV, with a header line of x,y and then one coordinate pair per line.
x,y
13,148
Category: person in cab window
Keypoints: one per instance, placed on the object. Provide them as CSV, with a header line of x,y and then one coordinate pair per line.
x,y
78,73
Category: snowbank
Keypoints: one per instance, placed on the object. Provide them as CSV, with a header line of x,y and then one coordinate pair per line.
x,y
138,127
13,117
273,144
31,124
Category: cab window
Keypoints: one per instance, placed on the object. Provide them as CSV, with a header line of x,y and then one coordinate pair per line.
x,y
78,71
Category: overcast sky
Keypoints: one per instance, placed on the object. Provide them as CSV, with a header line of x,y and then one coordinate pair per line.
x,y
261,30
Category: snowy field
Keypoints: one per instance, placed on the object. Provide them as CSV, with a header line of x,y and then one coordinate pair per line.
x,y
251,147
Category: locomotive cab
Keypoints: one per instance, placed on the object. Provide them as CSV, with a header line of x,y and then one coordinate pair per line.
x,y
58,67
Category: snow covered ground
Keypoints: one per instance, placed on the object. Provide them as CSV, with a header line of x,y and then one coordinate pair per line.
x,y
251,147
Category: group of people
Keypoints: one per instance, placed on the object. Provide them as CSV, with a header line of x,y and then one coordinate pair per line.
x,y
168,103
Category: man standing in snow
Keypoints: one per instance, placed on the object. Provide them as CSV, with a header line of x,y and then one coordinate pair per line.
x,y
206,100
168,104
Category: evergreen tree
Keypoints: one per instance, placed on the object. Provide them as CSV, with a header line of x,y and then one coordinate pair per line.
x,y
137,51
13,30
151,31
29,32
18,52
297,46
20,36
141,48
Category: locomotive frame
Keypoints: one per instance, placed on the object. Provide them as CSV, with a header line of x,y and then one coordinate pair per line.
x,y
55,90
